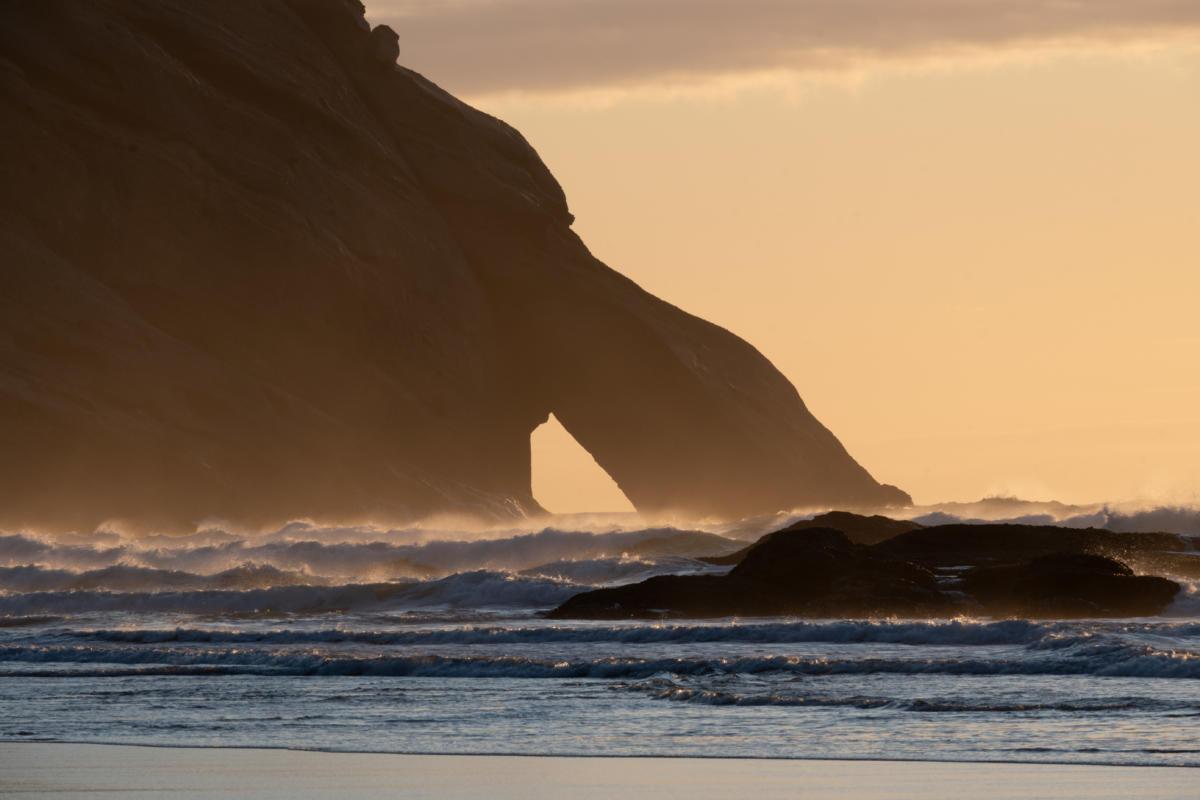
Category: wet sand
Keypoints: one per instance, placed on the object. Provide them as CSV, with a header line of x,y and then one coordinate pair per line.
x,y
81,770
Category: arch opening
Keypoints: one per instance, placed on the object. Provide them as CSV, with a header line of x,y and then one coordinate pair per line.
x,y
566,479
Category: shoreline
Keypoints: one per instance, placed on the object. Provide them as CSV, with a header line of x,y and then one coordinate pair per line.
x,y
1020,762
59,769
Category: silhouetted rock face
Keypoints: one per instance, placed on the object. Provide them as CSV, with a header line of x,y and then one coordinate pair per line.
x,y
816,573
1068,585
250,272
385,45
952,545
858,529
994,570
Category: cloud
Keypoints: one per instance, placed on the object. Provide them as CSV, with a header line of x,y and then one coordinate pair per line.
x,y
481,47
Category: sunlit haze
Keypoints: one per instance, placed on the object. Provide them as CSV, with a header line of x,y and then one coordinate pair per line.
x,y
973,250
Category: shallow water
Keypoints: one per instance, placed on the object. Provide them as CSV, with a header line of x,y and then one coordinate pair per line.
x,y
505,682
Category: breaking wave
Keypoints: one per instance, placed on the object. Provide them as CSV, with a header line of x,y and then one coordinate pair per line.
x,y
301,550
1108,660
952,633
479,589
125,578
612,571
1187,602
1184,520
128,578
292,617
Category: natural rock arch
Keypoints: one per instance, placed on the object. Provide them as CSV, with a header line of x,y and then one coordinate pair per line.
x,y
249,274
565,476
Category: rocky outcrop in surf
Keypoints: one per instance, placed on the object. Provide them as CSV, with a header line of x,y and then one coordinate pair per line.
x,y
815,572
991,570
255,271
858,529
945,546
1068,585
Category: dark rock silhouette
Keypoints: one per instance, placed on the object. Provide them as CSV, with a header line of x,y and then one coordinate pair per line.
x,y
945,546
251,273
996,570
815,572
385,45
1068,585
858,529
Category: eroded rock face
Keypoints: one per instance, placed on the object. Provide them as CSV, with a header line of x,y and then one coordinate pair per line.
x,y
250,275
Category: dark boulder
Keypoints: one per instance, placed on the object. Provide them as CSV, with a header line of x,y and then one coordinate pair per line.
x,y
821,572
980,545
996,570
817,572
660,596
1068,585
858,529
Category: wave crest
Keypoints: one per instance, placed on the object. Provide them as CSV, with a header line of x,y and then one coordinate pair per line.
x,y
1106,659
479,590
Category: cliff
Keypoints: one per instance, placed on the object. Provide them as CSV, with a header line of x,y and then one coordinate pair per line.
x,y
255,270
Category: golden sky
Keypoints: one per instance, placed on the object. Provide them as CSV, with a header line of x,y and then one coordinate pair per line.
x,y
969,232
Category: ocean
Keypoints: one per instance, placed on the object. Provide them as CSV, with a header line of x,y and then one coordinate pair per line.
x,y
342,639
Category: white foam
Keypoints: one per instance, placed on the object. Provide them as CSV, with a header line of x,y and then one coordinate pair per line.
x,y
478,589
1118,660
323,554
